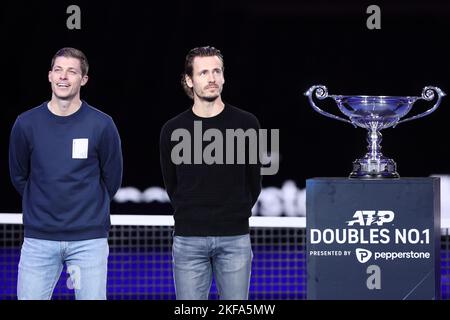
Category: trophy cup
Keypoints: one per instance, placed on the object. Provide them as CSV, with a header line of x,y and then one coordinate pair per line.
x,y
374,113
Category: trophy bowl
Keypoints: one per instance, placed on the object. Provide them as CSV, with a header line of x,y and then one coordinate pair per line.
x,y
374,113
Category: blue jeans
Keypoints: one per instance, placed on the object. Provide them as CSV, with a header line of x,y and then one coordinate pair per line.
x,y
41,263
196,259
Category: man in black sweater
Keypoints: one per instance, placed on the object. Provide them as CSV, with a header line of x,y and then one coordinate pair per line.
x,y
214,190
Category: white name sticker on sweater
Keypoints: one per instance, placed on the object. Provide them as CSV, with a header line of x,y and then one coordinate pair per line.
x,y
80,148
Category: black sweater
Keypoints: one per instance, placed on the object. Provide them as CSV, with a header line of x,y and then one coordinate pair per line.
x,y
209,199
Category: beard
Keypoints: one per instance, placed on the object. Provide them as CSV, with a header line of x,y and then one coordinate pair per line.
x,y
207,98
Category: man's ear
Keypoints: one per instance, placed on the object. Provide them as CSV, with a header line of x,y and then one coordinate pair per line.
x,y
188,81
84,80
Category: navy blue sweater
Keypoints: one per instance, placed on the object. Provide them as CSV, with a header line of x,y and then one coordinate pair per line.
x,y
67,169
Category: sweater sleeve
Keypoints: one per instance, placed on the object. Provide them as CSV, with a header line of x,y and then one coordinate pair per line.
x,y
168,168
254,170
19,157
110,157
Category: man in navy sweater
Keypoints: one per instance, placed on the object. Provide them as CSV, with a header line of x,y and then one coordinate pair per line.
x,y
212,199
66,162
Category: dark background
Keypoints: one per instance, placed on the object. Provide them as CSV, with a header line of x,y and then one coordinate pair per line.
x,y
273,50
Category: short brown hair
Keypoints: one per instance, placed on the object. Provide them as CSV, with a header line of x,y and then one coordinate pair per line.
x,y
188,68
72,53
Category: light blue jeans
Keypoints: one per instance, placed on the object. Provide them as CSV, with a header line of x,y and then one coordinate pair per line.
x,y
41,263
196,259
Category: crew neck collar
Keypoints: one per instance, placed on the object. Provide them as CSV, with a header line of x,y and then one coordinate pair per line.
x,y
65,118
217,116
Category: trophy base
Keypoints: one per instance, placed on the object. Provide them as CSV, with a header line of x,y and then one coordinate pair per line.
x,y
383,168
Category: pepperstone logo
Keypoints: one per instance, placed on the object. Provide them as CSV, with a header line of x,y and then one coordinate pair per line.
x,y
363,255
235,147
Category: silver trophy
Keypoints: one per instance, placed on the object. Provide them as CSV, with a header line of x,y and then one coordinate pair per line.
x,y
374,113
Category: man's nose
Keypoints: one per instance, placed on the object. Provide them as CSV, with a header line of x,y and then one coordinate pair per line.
x,y
63,75
211,78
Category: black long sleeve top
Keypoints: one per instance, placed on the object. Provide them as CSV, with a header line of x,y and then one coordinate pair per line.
x,y
211,189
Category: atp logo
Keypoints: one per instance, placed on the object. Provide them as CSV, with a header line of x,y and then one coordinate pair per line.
x,y
363,255
371,217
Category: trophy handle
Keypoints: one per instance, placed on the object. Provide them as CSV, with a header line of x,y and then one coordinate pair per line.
x,y
428,95
321,93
